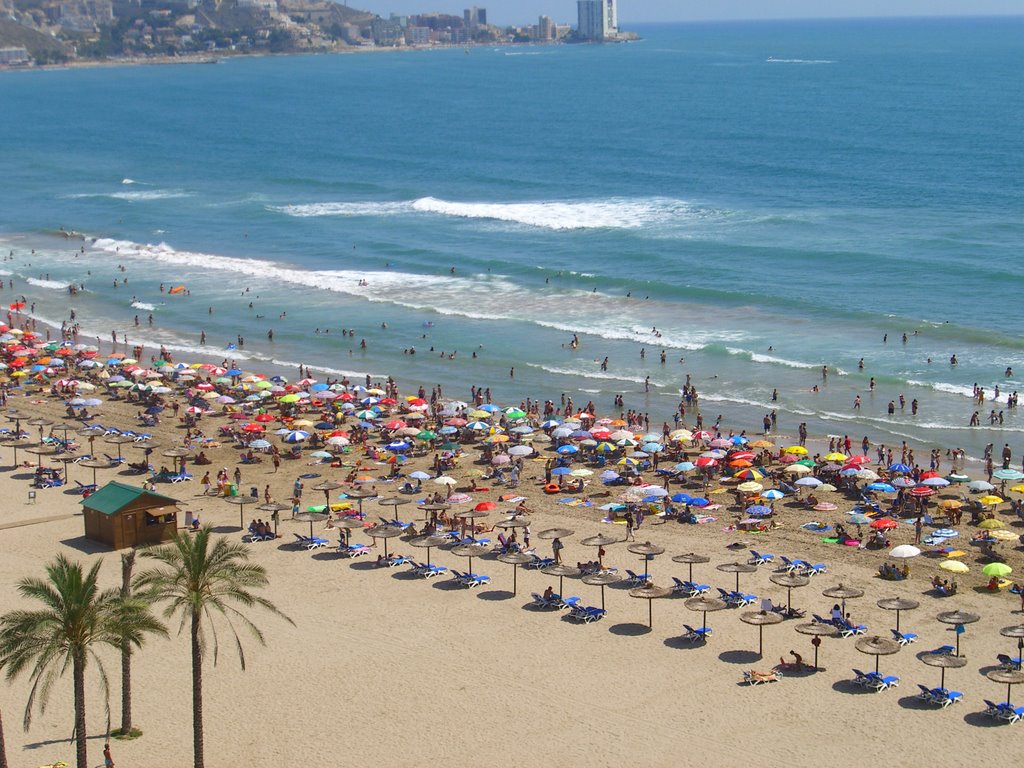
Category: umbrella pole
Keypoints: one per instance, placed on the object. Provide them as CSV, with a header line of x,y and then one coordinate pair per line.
x,y
602,597
385,546
691,572
897,619
704,620
515,570
737,581
650,614
428,555
942,678
876,665
815,657
760,640
311,529
241,514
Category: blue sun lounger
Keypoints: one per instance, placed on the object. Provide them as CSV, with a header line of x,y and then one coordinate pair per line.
x,y
696,634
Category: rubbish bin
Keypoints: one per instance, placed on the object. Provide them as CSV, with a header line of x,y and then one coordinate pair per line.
x,y
233,489
254,492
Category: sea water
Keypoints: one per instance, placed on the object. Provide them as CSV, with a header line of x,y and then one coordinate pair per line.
x,y
757,200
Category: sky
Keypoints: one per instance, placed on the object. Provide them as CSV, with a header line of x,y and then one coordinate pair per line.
x,y
638,11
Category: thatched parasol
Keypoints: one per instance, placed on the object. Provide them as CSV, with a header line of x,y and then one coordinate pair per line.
x,y
737,568
650,593
601,579
897,604
1009,676
561,571
760,619
241,501
515,559
383,532
555,533
471,551
843,592
817,631
705,604
959,619
943,661
690,558
428,543
877,646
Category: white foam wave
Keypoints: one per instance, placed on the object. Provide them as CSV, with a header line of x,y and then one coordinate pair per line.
x,y
773,60
53,285
713,398
959,389
143,306
588,373
135,196
292,366
128,181
610,213
756,357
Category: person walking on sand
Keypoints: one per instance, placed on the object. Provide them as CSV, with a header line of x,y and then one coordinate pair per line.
x,y
108,761
630,526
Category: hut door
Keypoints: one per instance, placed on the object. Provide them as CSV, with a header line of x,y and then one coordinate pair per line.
x,y
129,536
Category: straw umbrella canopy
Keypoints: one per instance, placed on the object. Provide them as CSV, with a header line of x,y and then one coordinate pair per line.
x,y
428,543
650,593
843,592
555,533
327,486
1010,677
690,558
273,508
391,501
646,550
145,445
704,604
1017,631
241,501
789,581
958,619
600,541
310,517
943,661
41,450
119,440
470,514
760,619
897,604
817,631
601,579
16,443
877,646
64,428
359,494
95,464
471,551
378,532
176,453
431,507
515,559
513,522
737,568
561,571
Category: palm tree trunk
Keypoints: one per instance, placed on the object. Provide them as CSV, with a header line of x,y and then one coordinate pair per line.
x,y
81,735
127,564
197,694
3,744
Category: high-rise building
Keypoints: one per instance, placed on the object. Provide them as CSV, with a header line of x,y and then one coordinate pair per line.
x,y
545,28
475,17
596,19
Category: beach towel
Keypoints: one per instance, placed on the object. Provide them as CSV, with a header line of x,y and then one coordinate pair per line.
x,y
577,502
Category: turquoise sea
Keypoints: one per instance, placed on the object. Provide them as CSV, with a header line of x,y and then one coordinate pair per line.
x,y
770,197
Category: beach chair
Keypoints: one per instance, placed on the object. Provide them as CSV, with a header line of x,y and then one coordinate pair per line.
x,y
942,650
586,613
180,477
756,558
753,677
815,570
947,698
429,571
880,683
637,578
1008,662
996,710
83,488
539,601
680,586
477,580
741,600
696,634
396,560
1010,714
789,566
926,694
115,459
571,602
903,638
861,678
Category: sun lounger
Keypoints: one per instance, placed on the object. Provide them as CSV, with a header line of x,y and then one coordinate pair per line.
x,y
756,558
539,601
846,629
571,602
904,638
862,678
477,580
696,634
1008,662
753,677
587,614
1010,714
879,683
637,578
942,650
396,560
815,570
84,487
946,698
539,562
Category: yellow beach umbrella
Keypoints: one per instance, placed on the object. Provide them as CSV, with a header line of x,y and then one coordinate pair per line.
x,y
797,469
479,415
797,449
1018,488
954,566
1004,535
750,487
990,499
681,435
762,444
835,456
991,524
950,504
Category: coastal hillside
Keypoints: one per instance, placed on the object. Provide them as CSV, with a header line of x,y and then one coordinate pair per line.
x,y
40,46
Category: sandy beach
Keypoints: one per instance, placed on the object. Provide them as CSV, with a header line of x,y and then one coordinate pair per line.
x,y
382,665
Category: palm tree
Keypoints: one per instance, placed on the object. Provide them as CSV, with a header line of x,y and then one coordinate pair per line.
x,y
127,565
201,578
76,618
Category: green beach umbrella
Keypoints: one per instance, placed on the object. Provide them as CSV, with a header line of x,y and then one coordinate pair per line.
x,y
999,570
292,398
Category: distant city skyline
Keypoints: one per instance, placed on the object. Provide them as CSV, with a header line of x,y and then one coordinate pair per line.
x,y
640,11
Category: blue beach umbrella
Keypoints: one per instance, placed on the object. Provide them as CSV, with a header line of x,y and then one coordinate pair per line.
x,y
568,450
561,471
296,436
489,407
680,498
899,467
772,494
880,487
759,510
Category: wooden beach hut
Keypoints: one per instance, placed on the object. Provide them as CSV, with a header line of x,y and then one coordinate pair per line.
x,y
124,516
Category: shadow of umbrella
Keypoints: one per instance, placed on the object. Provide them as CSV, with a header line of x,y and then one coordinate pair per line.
x,y
943,661
843,592
647,551
95,464
359,494
425,542
898,604
240,502
737,568
379,532
650,593
1009,677
877,646
602,580
760,619
1017,631
561,571
705,605
817,631
515,559
790,581
600,541
959,619
309,517
119,440
471,551
690,558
